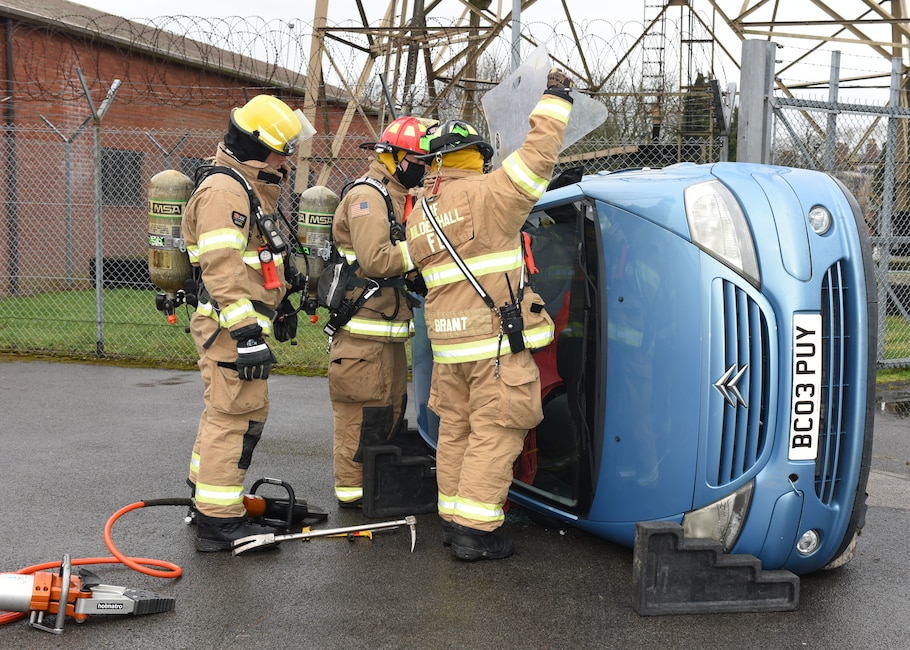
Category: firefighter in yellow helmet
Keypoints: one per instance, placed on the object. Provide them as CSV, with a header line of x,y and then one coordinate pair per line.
x,y
368,369
240,282
485,386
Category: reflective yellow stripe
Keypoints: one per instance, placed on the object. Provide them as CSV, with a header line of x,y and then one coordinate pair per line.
x,y
537,337
555,107
469,509
445,504
406,260
369,327
348,494
217,240
522,175
219,495
194,463
265,324
237,312
207,309
477,510
350,256
229,239
479,266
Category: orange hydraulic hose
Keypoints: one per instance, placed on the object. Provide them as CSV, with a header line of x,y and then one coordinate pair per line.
x,y
168,569
140,564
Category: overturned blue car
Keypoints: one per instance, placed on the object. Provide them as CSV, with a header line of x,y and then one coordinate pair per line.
x,y
713,363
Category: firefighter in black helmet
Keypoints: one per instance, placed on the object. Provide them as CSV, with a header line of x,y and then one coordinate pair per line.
x,y
485,386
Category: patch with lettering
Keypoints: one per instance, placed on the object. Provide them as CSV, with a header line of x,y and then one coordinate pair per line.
x,y
239,219
459,324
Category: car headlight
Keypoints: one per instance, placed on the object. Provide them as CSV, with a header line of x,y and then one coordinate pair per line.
x,y
820,219
718,226
722,520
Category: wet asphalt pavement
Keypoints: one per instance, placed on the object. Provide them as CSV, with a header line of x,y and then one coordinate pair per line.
x,y
80,442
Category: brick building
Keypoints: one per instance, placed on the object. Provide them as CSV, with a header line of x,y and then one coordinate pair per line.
x,y
94,105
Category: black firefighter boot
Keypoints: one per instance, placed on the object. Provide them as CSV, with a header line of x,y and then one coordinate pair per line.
x,y
471,544
218,534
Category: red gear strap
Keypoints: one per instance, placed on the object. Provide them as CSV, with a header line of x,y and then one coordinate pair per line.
x,y
529,256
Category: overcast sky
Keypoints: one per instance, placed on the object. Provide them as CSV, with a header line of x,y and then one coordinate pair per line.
x,y
340,10
627,14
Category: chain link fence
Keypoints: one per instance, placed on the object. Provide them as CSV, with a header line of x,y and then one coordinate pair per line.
x,y
70,198
865,147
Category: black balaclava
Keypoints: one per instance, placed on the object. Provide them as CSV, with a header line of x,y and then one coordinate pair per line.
x,y
412,177
243,146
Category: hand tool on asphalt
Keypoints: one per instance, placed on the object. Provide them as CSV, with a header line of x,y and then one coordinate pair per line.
x,y
350,536
62,594
245,544
284,513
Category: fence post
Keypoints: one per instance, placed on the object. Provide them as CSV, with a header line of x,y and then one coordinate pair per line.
x,y
831,137
885,218
756,81
97,116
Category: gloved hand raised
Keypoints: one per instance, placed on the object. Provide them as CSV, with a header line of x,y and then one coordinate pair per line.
x,y
254,357
559,84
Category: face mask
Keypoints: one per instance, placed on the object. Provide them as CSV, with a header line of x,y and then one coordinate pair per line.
x,y
411,176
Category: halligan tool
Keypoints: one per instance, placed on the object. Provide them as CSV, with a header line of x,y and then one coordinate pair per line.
x,y
245,544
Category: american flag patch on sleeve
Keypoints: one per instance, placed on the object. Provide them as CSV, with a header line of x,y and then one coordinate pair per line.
x,y
360,209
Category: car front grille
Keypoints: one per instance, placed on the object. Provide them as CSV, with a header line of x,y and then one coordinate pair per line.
x,y
834,385
739,436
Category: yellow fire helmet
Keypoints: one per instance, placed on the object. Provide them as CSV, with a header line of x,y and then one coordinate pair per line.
x,y
273,123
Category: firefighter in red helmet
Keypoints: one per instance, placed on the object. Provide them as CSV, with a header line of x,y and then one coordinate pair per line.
x,y
368,368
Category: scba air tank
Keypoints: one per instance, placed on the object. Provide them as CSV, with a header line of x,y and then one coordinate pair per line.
x,y
315,213
169,264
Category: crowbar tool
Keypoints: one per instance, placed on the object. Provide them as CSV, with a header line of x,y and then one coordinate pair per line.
x,y
245,544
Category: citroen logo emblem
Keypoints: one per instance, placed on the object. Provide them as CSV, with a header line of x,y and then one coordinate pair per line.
x,y
728,386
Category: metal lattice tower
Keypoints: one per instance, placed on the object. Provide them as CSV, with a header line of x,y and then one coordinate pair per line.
x,y
409,48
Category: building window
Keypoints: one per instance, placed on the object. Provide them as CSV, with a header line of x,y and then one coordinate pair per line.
x,y
121,178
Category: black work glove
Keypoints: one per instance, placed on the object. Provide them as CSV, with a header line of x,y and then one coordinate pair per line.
x,y
254,357
285,321
559,84
415,283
